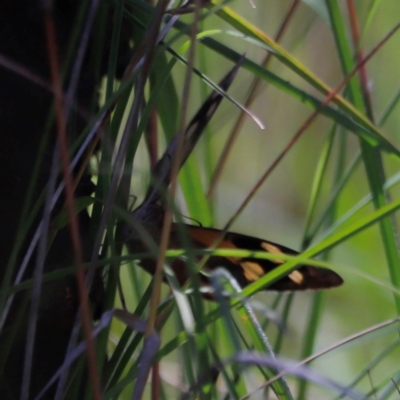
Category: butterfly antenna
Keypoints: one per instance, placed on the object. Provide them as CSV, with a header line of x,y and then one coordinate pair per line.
x,y
197,222
133,202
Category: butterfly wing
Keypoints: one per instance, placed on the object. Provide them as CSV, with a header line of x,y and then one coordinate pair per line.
x,y
247,270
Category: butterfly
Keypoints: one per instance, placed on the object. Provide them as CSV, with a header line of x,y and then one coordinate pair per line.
x,y
148,221
244,269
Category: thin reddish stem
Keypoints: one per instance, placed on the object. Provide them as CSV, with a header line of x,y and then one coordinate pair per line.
x,y
355,33
70,204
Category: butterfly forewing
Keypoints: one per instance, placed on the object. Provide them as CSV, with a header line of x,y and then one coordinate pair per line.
x,y
248,270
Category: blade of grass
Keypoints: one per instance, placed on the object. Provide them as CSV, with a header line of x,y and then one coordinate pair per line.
x,y
371,157
247,28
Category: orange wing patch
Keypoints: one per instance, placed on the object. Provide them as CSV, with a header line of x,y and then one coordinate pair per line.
x,y
296,277
271,248
252,270
207,237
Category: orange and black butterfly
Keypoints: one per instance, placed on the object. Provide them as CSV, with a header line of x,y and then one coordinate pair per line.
x,y
149,216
